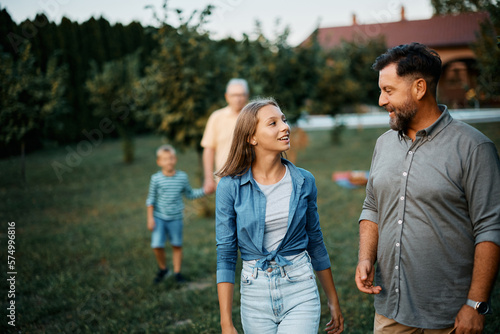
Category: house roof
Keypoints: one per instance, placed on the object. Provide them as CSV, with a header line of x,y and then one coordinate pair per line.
x,y
438,31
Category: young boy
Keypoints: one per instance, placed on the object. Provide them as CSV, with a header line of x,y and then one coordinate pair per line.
x,y
165,210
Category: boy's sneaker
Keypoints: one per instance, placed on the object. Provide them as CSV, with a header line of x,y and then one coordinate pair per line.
x,y
179,278
160,275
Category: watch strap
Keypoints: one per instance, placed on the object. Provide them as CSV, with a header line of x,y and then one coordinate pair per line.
x,y
471,303
475,306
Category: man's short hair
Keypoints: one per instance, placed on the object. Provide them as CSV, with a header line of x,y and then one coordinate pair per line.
x,y
413,60
238,81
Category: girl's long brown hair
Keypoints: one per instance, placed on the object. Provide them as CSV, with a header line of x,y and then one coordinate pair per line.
x,y
242,153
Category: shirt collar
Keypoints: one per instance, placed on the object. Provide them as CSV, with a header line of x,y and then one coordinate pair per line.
x,y
442,122
247,177
435,128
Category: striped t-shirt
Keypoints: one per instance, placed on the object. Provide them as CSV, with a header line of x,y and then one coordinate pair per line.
x,y
165,194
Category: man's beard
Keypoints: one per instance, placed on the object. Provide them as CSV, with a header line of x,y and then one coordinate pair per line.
x,y
402,115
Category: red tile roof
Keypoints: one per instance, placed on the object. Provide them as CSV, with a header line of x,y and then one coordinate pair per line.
x,y
438,31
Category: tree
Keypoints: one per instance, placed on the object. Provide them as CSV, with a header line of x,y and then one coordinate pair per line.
x,y
111,92
459,6
30,100
488,58
75,45
288,74
485,48
347,78
185,80
335,88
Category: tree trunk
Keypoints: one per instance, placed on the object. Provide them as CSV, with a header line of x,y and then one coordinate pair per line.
x,y
23,163
127,138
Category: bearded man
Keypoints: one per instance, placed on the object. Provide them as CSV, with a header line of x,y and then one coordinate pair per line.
x,y
430,224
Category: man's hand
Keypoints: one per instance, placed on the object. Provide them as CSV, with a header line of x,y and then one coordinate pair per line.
x,y
468,321
209,185
365,273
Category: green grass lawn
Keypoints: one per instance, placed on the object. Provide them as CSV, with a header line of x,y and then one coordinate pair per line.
x,y
82,254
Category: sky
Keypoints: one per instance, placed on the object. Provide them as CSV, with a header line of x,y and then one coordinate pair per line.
x,y
230,17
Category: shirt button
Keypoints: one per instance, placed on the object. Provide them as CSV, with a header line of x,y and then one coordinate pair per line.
x,y
402,198
405,173
400,222
397,290
397,244
410,152
396,267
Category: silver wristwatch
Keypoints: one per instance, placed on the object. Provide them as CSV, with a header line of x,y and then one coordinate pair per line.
x,y
480,307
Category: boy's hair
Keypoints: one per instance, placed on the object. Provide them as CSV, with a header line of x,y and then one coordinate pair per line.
x,y
165,148
413,60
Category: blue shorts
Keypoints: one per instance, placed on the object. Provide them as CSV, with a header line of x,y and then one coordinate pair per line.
x,y
171,229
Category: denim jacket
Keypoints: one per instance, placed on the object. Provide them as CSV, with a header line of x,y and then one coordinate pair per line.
x,y
240,223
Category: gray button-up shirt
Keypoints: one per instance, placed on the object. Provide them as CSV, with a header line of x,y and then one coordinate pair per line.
x,y
433,199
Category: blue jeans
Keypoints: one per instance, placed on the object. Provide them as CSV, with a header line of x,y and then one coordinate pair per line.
x,y
280,299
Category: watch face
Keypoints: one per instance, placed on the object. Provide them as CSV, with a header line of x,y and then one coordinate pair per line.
x,y
482,307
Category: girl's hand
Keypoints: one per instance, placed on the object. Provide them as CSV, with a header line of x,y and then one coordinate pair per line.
x,y
336,324
229,330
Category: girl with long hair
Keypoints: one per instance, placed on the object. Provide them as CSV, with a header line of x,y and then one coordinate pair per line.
x,y
266,207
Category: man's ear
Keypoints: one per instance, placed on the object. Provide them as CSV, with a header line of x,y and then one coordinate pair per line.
x,y
419,88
